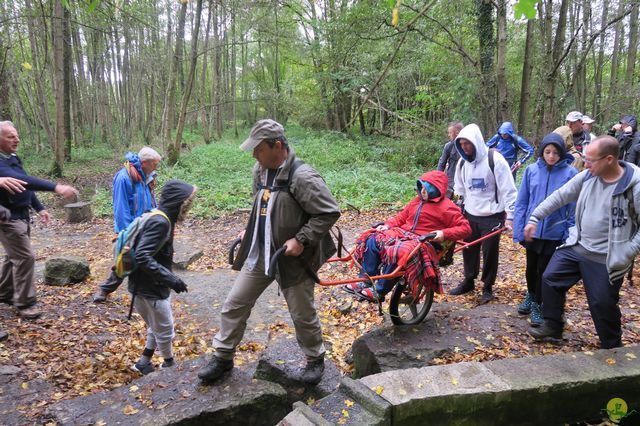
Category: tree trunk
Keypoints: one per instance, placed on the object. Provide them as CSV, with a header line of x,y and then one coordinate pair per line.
x,y
169,113
189,85
484,11
501,73
60,139
597,78
631,55
525,87
615,67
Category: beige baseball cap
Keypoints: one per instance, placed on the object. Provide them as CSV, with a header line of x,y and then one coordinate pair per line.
x,y
587,120
263,129
574,116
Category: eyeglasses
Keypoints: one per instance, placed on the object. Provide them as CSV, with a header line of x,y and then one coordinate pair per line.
x,y
593,161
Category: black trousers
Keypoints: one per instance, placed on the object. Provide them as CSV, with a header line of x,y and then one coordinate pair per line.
x,y
565,269
111,283
481,226
539,253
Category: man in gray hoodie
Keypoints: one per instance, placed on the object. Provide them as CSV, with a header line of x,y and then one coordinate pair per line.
x,y
601,246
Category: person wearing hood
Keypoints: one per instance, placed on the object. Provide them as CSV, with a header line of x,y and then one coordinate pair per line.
x,y
551,171
626,132
601,246
150,284
508,143
489,196
132,196
293,208
430,211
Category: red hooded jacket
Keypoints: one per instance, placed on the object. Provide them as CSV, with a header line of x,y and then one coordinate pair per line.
x,y
437,214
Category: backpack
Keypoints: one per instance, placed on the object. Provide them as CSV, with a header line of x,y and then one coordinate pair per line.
x,y
492,166
124,254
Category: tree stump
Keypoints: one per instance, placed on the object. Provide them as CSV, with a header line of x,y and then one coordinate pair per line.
x,y
78,212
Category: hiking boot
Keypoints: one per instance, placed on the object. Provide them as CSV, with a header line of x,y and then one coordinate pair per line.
x,y
3,336
312,373
143,369
29,313
536,315
167,363
524,308
546,330
215,369
464,287
487,296
100,296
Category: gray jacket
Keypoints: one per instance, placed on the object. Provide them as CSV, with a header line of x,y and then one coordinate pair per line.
x,y
308,216
624,238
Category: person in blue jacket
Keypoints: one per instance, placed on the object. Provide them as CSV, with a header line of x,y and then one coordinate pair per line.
x,y
551,171
507,142
131,197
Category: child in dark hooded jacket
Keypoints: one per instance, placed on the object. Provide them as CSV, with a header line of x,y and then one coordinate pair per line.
x,y
551,171
430,211
151,283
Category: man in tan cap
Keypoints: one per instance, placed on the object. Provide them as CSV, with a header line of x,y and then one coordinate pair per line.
x,y
292,207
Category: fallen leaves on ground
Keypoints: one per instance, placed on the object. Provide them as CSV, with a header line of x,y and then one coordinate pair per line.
x,y
82,348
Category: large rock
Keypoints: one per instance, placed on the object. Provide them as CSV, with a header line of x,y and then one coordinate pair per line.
x,y
282,362
176,396
182,259
64,270
445,330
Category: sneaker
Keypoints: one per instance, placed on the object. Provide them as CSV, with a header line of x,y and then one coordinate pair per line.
x,y
167,363
524,308
355,288
100,296
536,315
487,296
215,369
545,331
29,313
464,287
143,369
370,295
313,371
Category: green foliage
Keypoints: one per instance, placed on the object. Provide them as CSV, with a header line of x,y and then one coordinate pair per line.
x,y
526,8
361,172
101,202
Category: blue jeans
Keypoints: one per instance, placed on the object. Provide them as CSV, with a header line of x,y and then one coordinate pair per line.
x,y
371,266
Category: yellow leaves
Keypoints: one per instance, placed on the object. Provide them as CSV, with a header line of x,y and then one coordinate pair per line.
x,y
133,388
402,392
348,403
128,410
454,381
24,385
588,353
26,66
611,361
378,389
101,423
280,362
311,400
630,355
345,413
395,14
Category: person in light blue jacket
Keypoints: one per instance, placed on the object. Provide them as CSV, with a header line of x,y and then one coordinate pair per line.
x,y
507,142
132,196
551,171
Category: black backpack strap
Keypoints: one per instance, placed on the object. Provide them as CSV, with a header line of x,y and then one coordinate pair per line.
x,y
284,185
492,166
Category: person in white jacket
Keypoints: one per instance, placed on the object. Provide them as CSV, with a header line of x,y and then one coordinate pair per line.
x,y
483,179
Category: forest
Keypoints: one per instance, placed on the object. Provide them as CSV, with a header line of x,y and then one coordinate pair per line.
x,y
118,73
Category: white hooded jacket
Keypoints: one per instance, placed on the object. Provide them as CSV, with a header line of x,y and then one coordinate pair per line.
x,y
475,182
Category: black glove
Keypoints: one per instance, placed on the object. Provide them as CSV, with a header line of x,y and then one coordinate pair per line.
x,y
178,286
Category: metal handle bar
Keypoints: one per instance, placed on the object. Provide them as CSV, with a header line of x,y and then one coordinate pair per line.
x,y
274,261
232,249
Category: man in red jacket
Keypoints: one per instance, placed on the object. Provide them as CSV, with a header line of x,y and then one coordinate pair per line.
x,y
430,211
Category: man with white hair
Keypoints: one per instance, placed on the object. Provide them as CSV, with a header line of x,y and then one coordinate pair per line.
x,y
587,125
17,284
131,197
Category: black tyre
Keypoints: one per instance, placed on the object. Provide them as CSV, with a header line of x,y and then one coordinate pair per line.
x,y
405,309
